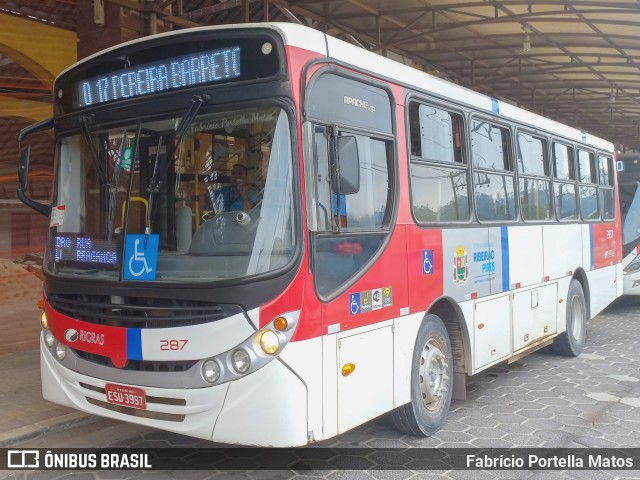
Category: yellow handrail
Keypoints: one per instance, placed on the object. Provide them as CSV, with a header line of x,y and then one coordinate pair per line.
x,y
135,199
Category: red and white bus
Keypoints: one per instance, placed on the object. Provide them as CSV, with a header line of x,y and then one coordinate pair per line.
x,y
263,235
628,168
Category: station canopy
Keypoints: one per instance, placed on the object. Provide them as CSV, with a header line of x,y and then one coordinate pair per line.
x,y
576,61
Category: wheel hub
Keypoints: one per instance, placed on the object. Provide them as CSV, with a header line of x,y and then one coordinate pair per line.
x,y
433,376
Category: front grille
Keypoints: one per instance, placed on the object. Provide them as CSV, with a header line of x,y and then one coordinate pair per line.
x,y
181,402
135,312
134,412
139,365
168,417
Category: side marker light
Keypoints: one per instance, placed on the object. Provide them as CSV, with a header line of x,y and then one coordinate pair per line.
x,y
348,369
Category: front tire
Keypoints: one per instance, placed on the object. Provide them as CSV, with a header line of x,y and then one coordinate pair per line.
x,y
431,382
572,341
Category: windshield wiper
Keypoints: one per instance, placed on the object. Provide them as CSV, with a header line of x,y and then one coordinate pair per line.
x,y
113,186
84,127
160,168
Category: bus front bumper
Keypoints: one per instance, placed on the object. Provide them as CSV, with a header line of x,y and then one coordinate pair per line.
x,y
266,408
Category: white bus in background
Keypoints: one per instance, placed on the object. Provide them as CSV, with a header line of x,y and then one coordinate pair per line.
x,y
628,166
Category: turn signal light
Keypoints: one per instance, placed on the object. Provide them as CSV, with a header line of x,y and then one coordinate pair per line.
x,y
43,320
348,369
280,324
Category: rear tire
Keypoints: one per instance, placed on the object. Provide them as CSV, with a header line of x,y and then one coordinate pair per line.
x,y
571,342
431,382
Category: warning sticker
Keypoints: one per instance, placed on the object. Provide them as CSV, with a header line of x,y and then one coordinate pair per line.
x,y
369,300
57,216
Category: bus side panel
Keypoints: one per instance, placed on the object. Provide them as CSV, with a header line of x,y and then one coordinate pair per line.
x,y
365,393
469,263
330,385
305,358
563,290
561,253
603,287
526,265
607,253
381,291
492,331
424,267
607,248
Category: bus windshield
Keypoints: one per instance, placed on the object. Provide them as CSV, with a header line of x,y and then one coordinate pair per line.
x,y
629,188
221,207
630,207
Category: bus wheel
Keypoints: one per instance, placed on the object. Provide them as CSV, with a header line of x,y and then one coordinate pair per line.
x,y
571,342
431,382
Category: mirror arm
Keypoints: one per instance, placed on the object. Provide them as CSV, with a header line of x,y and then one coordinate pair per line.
x,y
335,172
23,166
37,206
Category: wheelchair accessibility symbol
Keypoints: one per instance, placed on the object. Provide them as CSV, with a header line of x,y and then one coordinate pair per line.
x,y
427,262
141,257
354,303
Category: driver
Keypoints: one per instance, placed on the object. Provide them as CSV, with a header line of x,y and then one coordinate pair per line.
x,y
240,195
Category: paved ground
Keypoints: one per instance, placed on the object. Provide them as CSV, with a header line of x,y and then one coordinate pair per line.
x,y
541,401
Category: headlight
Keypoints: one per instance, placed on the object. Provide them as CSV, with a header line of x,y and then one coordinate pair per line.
x,y
257,350
241,361
211,371
61,351
49,339
269,342
43,321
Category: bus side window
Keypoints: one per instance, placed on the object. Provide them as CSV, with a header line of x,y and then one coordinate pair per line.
x,y
587,180
564,187
606,195
534,181
438,168
494,186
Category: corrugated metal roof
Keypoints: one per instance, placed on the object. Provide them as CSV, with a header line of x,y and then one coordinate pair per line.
x,y
576,61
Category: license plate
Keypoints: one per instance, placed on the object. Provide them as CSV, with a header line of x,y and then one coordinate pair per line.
x,y
126,396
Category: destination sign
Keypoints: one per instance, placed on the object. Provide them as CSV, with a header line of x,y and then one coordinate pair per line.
x,y
70,247
167,74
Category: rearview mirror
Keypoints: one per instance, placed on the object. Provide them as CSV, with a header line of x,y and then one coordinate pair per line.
x,y
348,167
23,166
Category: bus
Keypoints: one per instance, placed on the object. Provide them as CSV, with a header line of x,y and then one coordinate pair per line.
x,y
263,235
628,167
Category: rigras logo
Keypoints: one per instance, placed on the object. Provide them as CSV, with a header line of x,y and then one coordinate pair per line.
x,y
71,335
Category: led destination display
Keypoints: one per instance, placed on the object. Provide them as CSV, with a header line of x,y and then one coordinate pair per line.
x,y
70,247
177,72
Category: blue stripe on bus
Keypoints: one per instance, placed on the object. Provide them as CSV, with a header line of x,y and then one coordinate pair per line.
x,y
504,240
134,344
495,105
591,264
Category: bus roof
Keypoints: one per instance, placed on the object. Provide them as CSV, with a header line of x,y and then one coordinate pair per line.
x,y
313,40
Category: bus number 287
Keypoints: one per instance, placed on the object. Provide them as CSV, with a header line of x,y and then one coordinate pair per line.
x,y
173,344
